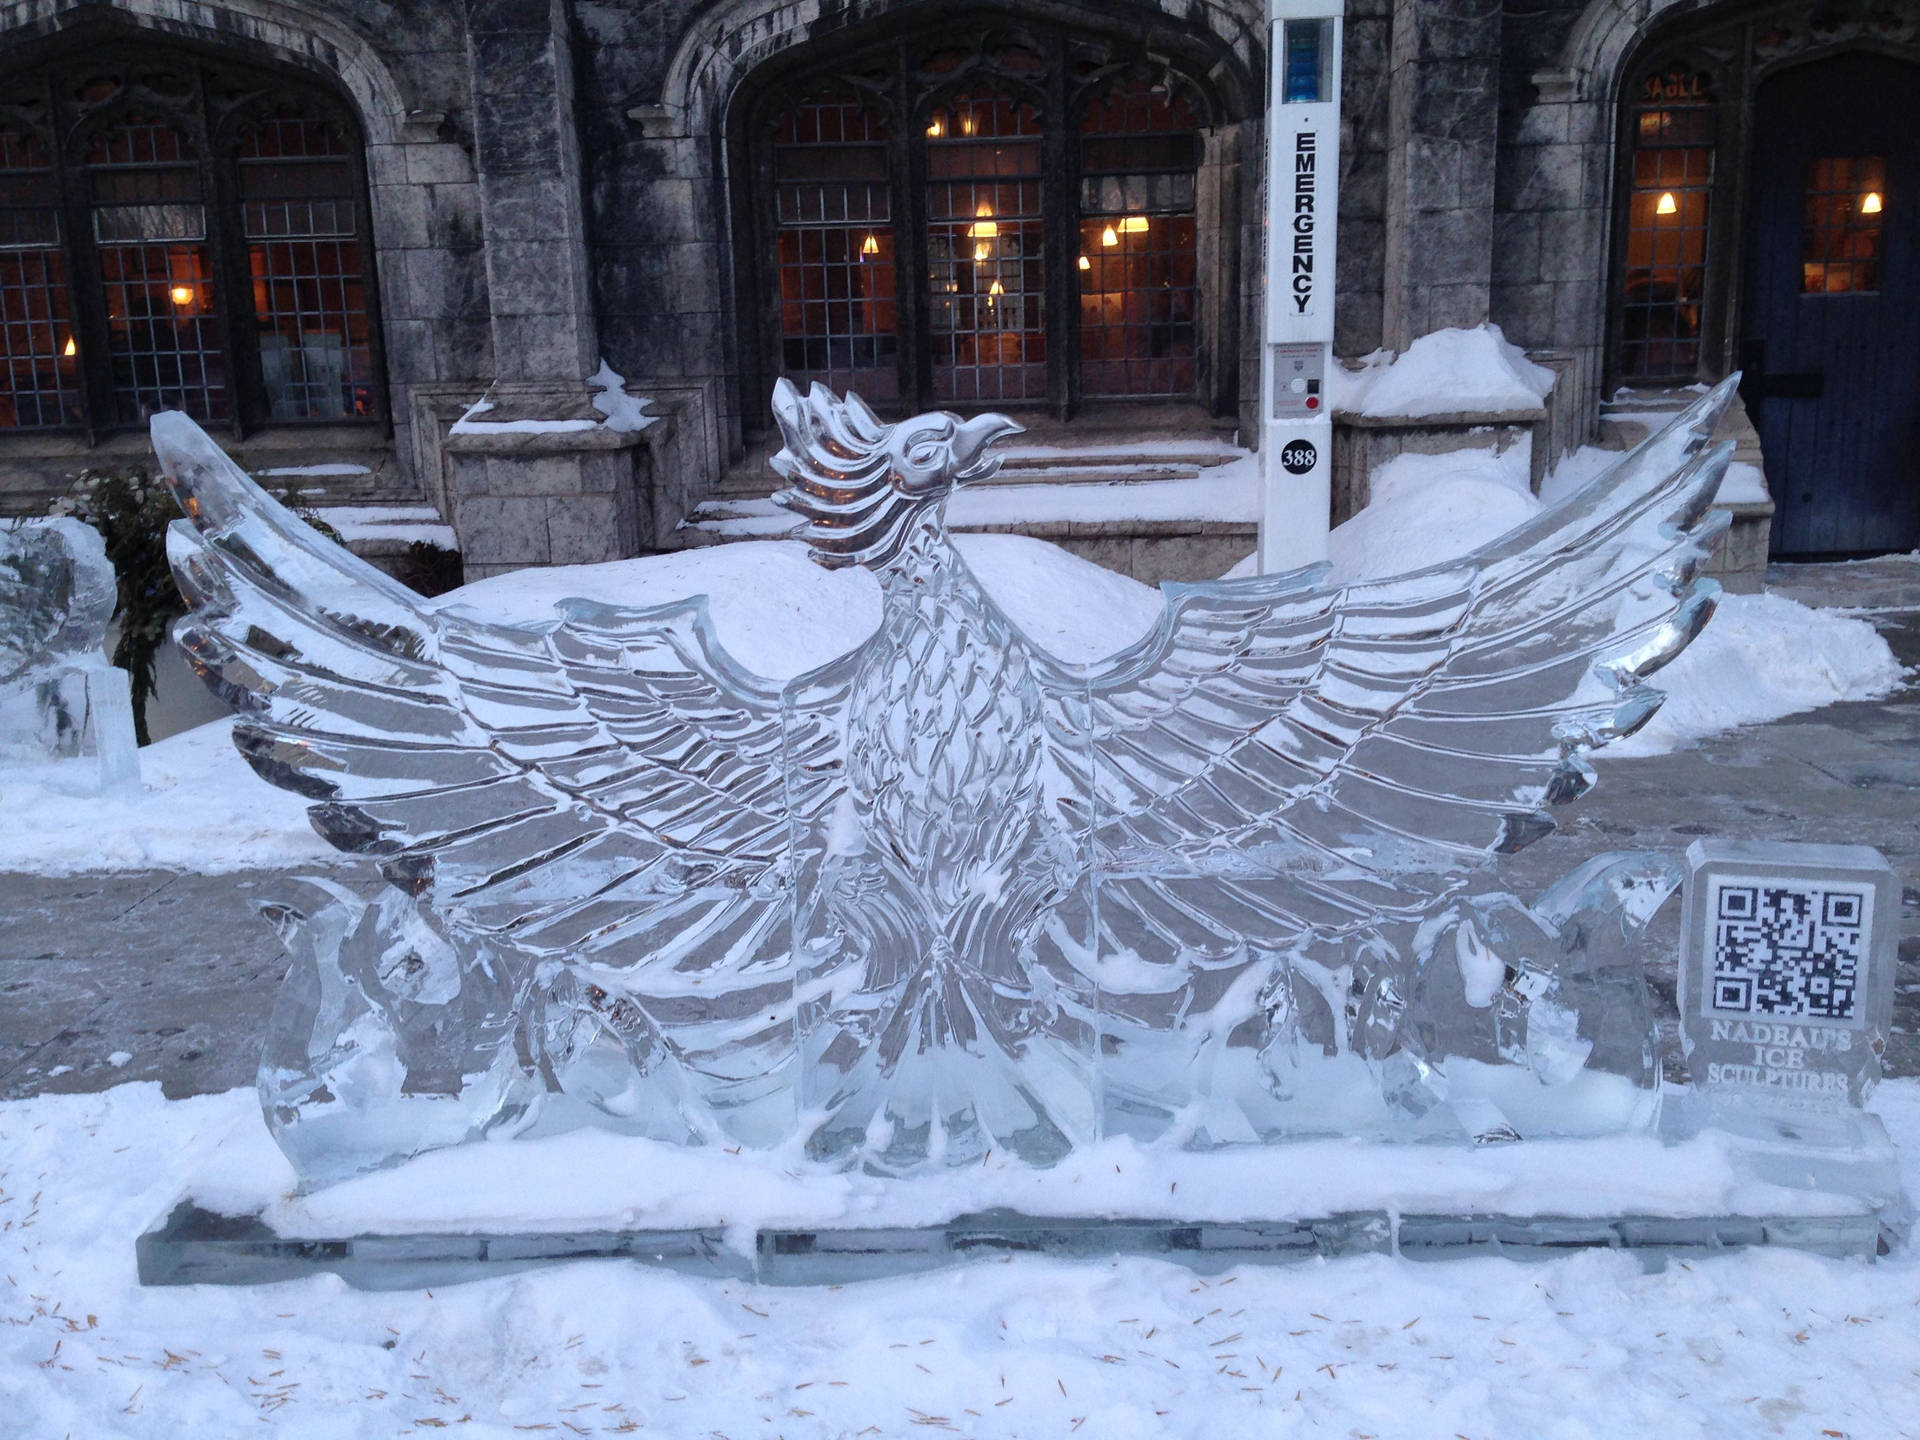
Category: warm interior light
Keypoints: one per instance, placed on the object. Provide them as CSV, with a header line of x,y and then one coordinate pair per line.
x,y
71,350
1666,205
996,288
1870,203
1109,236
1085,263
984,226
982,250
870,246
966,123
935,130
1134,224
181,294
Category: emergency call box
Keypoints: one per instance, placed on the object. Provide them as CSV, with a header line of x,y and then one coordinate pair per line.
x,y
1299,376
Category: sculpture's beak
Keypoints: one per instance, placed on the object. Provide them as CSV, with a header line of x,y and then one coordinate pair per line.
x,y
970,441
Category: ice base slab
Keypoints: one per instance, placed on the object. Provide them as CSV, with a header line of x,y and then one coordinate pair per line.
x,y
486,1208
197,1247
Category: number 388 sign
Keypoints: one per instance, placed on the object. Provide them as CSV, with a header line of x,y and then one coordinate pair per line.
x,y
1297,456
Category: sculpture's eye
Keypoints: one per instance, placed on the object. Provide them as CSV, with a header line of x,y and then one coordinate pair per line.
x,y
924,454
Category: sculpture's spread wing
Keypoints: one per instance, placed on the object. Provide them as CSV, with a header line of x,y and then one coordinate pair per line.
x,y
609,786
1340,738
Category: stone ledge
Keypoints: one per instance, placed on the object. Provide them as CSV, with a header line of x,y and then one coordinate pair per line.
x,y
546,442
1113,529
1452,420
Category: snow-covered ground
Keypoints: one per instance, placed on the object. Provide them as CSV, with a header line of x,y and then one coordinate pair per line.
x,y
200,808
1589,1347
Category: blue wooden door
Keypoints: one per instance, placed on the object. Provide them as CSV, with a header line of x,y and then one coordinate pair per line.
x,y
1831,327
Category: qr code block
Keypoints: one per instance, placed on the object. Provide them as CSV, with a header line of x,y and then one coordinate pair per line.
x,y
1788,948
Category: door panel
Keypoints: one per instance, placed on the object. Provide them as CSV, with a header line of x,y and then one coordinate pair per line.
x,y
1832,315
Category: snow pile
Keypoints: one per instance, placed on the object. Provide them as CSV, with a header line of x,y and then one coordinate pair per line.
x,y
1589,1345
1762,657
624,412
200,808
776,612
1428,509
779,615
593,1180
1071,608
421,523
1348,381
1449,372
619,411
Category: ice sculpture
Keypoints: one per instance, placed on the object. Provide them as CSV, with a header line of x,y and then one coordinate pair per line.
x,y
946,893
58,695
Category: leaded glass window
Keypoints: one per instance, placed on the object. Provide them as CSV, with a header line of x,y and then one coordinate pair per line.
x,y
199,241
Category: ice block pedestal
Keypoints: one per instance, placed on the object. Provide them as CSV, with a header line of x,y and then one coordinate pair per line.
x,y
484,1209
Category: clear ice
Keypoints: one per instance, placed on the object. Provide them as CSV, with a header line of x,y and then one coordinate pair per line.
x,y
59,697
947,893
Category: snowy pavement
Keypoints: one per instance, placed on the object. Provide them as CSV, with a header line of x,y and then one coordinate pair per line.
x,y
1589,1347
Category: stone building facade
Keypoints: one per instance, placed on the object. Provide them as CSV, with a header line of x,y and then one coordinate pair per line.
x,y
503,194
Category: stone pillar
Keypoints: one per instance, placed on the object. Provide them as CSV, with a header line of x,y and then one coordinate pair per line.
x,y
537,479
1550,239
527,149
1442,128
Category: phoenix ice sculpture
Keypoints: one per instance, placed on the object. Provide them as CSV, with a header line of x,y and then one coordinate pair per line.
x,y
947,893
58,695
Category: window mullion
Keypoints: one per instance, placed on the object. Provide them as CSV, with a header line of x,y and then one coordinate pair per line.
x,y
86,291
1061,203
233,291
370,278
908,170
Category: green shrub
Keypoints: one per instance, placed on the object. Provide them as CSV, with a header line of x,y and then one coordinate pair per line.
x,y
132,511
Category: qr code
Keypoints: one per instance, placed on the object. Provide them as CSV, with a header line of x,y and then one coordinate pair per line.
x,y
1791,949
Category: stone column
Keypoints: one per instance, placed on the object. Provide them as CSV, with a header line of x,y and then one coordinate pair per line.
x,y
566,490
1442,128
527,150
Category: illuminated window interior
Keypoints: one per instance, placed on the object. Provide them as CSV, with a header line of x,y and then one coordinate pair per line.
x,y
838,311
1666,232
986,279
1138,152
37,347
1840,232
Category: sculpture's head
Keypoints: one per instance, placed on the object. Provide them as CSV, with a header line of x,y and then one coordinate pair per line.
x,y
860,483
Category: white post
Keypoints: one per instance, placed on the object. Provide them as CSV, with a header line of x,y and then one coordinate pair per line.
x,y
1303,186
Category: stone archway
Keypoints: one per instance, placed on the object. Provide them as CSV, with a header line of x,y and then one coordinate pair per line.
x,y
405,147
736,37
297,36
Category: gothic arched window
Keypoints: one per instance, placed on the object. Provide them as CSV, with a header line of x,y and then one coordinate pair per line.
x,y
1001,216
197,241
1672,130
